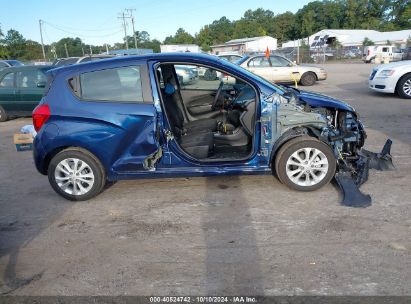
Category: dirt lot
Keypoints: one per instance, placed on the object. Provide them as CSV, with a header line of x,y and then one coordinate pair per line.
x,y
220,235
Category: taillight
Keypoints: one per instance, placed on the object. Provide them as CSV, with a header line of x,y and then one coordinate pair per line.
x,y
368,53
40,115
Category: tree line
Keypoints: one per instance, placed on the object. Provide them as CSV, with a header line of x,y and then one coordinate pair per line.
x,y
383,15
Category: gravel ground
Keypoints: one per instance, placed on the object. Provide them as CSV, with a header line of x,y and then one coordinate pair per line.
x,y
246,235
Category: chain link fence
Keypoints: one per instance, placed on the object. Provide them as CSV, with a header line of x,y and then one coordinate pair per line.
x,y
321,55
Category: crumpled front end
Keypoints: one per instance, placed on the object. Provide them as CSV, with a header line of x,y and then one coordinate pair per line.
x,y
347,136
336,124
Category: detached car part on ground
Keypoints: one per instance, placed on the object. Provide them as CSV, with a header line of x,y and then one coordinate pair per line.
x,y
392,78
92,129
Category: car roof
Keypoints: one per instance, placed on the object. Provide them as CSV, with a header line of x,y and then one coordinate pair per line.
x,y
26,67
192,57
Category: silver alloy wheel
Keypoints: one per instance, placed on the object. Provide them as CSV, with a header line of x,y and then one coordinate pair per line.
x,y
74,176
307,167
407,87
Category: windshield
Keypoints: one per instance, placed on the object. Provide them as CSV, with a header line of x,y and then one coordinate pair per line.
x,y
241,60
14,62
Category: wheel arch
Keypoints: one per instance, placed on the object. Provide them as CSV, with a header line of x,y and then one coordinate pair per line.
x,y
290,134
49,156
399,79
312,72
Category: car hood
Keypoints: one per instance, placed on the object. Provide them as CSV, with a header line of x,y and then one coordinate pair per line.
x,y
320,100
404,63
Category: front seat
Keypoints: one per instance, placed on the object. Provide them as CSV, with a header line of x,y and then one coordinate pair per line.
x,y
205,124
197,144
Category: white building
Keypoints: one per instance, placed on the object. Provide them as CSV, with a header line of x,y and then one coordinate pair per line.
x,y
351,38
241,46
179,48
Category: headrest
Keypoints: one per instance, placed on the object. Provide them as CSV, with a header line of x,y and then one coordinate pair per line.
x,y
169,89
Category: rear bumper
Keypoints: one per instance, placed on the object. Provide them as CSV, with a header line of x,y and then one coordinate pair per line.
x,y
39,156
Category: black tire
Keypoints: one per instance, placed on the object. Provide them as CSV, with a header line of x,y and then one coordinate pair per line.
x,y
210,75
404,86
94,165
294,145
308,79
3,115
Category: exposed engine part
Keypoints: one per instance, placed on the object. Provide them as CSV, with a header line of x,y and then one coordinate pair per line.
x,y
346,135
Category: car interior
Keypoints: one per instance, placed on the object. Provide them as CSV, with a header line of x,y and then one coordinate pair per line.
x,y
210,119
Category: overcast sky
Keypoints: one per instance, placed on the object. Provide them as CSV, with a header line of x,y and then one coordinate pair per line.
x,y
96,22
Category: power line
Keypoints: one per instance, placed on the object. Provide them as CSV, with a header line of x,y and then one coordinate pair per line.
x,y
81,29
80,35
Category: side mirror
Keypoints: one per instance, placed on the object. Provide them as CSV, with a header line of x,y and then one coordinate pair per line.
x,y
41,84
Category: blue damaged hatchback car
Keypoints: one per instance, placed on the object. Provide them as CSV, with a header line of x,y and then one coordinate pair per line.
x,y
133,117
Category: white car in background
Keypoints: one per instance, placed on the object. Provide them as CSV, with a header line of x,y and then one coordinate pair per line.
x,y
279,69
210,74
392,78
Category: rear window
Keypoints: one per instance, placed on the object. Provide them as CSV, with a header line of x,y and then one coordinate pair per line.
x,y
7,81
118,85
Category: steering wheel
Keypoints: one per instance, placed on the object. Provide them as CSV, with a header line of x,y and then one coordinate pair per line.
x,y
217,95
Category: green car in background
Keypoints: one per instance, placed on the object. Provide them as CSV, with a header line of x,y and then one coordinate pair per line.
x,y
21,89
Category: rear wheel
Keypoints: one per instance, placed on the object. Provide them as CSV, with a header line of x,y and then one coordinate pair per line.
x,y
76,174
305,164
3,114
308,79
404,86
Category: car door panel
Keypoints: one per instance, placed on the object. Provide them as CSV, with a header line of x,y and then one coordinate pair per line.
x,y
8,92
282,69
130,122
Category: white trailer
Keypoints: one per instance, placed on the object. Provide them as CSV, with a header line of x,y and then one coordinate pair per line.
x,y
180,48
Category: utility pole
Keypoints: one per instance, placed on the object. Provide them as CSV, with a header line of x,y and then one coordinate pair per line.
x,y
91,50
65,47
132,22
41,37
123,16
106,49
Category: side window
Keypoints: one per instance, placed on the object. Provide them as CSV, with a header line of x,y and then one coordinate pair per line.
x,y
259,62
30,79
118,85
277,61
385,50
193,77
7,81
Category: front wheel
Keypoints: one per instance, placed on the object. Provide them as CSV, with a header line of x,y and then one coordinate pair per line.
x,y
76,174
308,79
404,86
305,164
3,114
